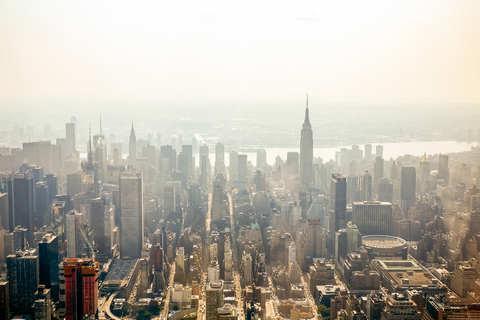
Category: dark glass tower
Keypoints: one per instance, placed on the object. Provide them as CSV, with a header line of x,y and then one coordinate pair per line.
x,y
48,264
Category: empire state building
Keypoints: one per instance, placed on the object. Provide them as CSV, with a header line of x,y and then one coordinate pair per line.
x,y
306,152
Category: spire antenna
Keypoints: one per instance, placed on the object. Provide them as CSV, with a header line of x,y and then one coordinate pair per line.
x,y
307,100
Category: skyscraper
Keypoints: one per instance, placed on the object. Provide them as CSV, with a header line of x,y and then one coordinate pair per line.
x,y
407,191
338,205
22,273
373,217
306,152
424,174
70,138
132,148
292,163
20,202
131,215
242,172
48,263
81,288
377,173
366,186
443,172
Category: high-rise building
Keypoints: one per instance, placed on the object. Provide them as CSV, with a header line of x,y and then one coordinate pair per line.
x,y
4,212
4,300
20,202
81,288
385,190
377,173
338,205
261,159
424,174
70,139
132,148
315,241
407,191
42,204
352,189
52,182
292,163
43,306
379,151
368,151
219,158
205,151
74,237
131,215
443,172
233,161
306,152
366,186
373,217
463,279
217,204
103,216
22,274
242,172
48,264
213,299
74,183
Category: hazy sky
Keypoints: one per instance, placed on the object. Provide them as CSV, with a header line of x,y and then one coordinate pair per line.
x,y
200,53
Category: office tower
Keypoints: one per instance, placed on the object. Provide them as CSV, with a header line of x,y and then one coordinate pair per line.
x,y
217,204
407,191
377,173
168,159
424,174
74,183
204,151
187,150
203,172
131,215
261,159
42,204
132,148
81,288
366,186
169,197
75,247
393,172
22,274
379,151
195,198
373,217
338,204
52,182
368,151
385,190
70,139
242,172
103,215
443,172
43,306
463,279
340,244
4,300
48,264
352,237
233,161
213,299
20,202
4,212
352,189
292,163
315,242
306,152
219,158
398,306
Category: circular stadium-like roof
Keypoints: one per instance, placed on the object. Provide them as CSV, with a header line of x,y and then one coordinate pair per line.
x,y
382,241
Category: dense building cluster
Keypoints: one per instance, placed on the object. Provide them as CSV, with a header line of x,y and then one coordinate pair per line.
x,y
174,231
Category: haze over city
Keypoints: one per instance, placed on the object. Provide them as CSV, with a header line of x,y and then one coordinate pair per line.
x,y
227,160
